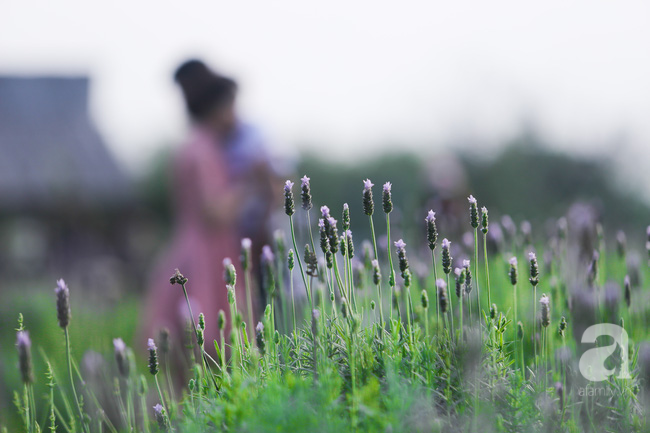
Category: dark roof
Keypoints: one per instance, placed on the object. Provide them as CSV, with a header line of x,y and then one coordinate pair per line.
x,y
51,155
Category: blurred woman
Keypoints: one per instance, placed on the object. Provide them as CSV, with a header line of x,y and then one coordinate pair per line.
x,y
212,176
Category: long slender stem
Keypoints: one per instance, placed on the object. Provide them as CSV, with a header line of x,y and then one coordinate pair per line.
x,y
478,290
249,303
535,326
435,278
451,308
74,391
374,239
302,272
487,272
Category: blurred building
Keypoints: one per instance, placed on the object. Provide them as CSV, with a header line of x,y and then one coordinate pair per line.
x,y
62,194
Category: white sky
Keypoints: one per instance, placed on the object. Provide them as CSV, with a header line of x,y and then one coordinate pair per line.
x,y
354,74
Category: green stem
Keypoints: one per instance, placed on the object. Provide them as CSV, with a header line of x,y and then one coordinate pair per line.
x,y
478,290
74,391
302,272
487,271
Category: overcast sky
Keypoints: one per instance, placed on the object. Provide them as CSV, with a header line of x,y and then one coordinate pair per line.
x,y
353,74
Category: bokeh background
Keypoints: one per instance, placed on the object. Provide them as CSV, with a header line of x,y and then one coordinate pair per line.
x,y
530,107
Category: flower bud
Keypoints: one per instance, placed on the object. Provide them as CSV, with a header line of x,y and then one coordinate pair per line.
x,y
291,260
259,337
520,330
221,320
376,273
178,278
493,311
468,277
424,299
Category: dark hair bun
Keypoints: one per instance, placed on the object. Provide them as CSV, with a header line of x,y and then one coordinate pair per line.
x,y
203,89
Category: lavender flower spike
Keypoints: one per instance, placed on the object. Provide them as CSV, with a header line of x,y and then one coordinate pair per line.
x,y
305,193
401,255
473,211
62,303
432,231
289,207
546,310
512,273
325,211
153,357
387,200
368,204
24,345
121,356
446,256
245,258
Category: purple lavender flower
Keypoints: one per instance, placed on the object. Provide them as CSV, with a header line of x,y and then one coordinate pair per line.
x,y
63,312
289,207
368,203
432,231
534,269
446,256
161,417
468,276
348,236
512,273
401,255
268,275
121,356
245,257
460,281
346,217
332,234
546,310
325,211
473,211
153,357
484,220
24,345
259,337
387,200
305,193
441,286
376,273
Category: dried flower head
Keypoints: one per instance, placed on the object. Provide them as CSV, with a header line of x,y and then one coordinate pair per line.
x,y
387,200
63,312
368,203
446,256
178,278
305,193
473,211
24,345
289,206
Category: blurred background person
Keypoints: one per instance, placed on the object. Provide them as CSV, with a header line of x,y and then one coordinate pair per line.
x,y
222,192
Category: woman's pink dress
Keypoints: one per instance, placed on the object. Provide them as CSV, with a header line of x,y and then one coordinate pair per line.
x,y
198,248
